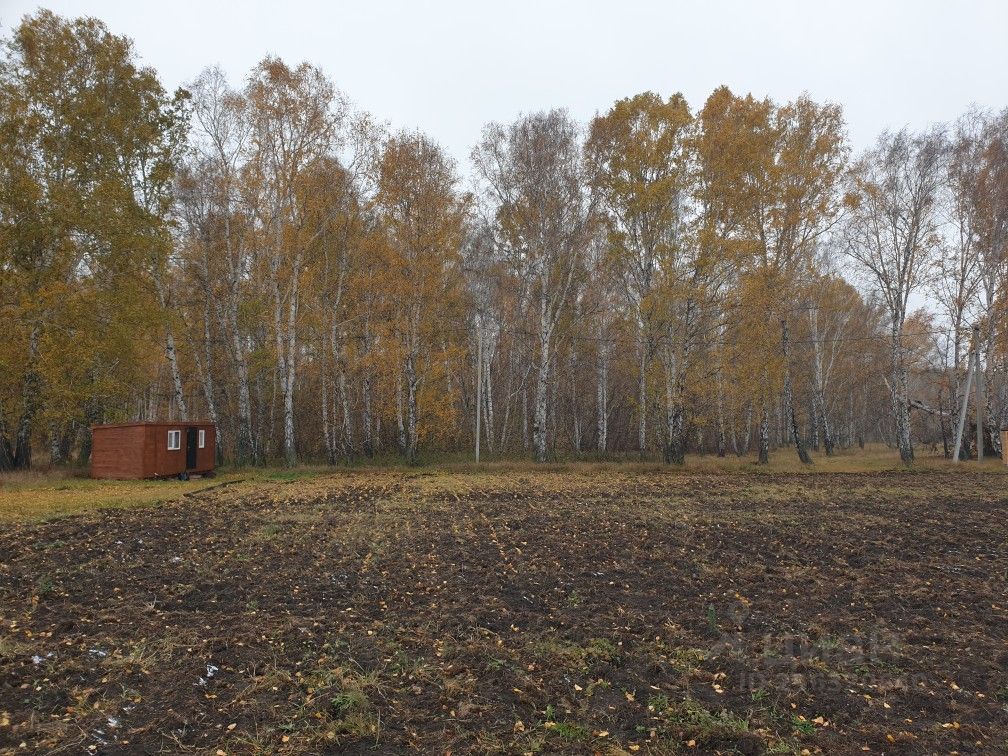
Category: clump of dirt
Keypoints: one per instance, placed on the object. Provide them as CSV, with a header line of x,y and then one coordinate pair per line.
x,y
493,613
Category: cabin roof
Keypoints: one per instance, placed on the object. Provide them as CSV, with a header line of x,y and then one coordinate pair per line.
x,y
157,424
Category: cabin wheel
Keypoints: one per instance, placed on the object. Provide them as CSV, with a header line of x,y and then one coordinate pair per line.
x,y
183,476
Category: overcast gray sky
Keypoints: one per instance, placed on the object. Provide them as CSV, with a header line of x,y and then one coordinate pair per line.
x,y
450,67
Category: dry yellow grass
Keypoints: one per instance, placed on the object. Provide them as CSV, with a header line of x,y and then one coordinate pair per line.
x,y
41,496
36,496
873,458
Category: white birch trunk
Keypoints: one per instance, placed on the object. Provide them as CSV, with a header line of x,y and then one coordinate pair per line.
x,y
399,412
541,397
642,399
764,433
178,396
602,397
899,392
411,408
326,434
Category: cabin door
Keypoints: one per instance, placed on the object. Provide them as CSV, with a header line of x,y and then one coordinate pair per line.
x,y
190,449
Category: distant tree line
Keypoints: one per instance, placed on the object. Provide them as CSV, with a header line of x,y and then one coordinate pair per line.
x,y
660,281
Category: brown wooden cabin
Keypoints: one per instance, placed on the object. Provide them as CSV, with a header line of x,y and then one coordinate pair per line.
x,y
152,450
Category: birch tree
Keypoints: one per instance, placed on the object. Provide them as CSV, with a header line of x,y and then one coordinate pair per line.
x,y
832,305
87,151
778,169
641,169
659,274
957,262
603,297
423,216
220,139
196,248
891,234
483,282
295,115
990,225
535,180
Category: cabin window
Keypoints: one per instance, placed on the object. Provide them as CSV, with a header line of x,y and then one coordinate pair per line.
x,y
174,440
202,439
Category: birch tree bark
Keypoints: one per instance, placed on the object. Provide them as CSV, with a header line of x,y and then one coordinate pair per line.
x,y
171,353
818,389
602,398
367,414
789,400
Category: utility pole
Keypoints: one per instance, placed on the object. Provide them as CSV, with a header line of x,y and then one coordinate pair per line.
x,y
479,380
979,393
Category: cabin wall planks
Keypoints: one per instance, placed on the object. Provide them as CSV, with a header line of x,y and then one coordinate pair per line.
x,y
140,450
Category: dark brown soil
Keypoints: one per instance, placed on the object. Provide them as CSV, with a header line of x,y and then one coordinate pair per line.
x,y
522,612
